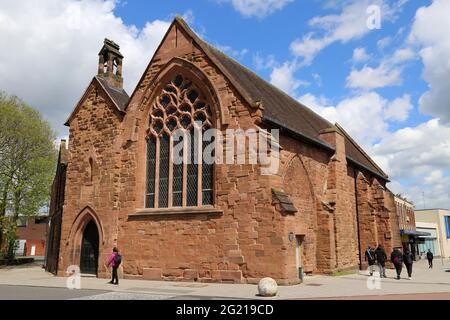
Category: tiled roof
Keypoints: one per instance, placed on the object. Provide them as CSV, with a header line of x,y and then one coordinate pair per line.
x,y
282,198
119,96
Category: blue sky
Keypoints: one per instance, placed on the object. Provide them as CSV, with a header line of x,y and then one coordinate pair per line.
x,y
389,87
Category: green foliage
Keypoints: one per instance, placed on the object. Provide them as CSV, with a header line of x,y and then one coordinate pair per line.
x,y
27,157
11,243
9,234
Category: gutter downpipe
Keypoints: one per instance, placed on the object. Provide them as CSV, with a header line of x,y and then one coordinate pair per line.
x,y
357,220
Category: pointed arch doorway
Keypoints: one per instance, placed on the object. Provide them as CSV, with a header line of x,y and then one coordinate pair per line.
x,y
89,249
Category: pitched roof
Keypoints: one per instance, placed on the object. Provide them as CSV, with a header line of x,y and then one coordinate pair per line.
x,y
119,96
279,107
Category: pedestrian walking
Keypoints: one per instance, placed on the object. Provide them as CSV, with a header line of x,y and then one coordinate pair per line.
x,y
430,258
370,258
408,259
114,261
381,257
397,260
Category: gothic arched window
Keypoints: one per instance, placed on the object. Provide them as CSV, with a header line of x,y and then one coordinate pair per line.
x,y
180,107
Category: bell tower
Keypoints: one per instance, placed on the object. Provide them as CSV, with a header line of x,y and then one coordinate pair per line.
x,y
110,64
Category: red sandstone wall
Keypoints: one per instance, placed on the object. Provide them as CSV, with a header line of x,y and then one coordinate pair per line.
x,y
94,134
242,242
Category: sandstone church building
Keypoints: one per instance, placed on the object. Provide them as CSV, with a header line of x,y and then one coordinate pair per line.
x,y
116,186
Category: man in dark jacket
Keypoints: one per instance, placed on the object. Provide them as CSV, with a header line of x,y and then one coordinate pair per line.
x,y
430,258
381,257
408,259
397,260
370,258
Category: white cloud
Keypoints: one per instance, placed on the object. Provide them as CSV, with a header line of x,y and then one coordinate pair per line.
x,y
360,55
416,158
371,78
383,43
429,32
388,72
318,79
402,55
349,24
52,49
354,113
283,77
419,157
235,53
257,8
308,47
399,109
434,177
262,63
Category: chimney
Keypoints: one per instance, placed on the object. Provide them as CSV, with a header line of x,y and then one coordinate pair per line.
x,y
63,152
110,64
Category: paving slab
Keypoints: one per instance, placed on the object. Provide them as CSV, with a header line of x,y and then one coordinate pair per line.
x,y
424,281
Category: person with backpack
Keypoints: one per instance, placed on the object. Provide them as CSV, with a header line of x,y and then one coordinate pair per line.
x,y
430,258
114,261
370,258
408,259
381,257
397,260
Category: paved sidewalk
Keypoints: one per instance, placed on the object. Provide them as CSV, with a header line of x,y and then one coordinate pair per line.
x,y
424,281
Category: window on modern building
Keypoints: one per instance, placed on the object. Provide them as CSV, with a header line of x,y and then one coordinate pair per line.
x,y
447,225
22,222
188,181
41,220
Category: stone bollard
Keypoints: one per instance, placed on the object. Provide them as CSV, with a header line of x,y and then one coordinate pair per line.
x,y
267,287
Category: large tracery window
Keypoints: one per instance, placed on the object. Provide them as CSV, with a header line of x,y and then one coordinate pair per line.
x,y
188,183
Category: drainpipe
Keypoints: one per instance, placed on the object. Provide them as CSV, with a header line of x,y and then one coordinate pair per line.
x,y
357,219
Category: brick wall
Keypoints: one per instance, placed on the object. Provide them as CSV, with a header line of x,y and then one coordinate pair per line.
x,y
35,235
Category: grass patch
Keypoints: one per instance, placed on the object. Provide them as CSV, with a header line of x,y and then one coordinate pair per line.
x,y
342,273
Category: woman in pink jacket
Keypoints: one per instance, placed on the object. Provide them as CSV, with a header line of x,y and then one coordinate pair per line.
x,y
114,262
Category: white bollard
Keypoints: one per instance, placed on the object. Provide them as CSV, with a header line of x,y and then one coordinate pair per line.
x,y
268,287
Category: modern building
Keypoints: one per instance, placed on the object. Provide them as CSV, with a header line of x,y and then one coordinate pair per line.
x,y
439,218
411,237
317,211
32,235
432,241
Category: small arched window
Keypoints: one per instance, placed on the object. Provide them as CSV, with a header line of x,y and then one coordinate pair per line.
x,y
91,170
188,182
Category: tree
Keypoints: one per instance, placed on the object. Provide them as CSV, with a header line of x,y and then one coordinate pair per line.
x,y
27,157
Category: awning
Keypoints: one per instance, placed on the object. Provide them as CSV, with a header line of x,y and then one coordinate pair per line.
x,y
414,233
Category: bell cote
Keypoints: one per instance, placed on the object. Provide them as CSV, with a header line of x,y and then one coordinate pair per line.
x,y
110,64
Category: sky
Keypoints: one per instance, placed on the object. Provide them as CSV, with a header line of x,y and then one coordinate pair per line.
x,y
379,68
